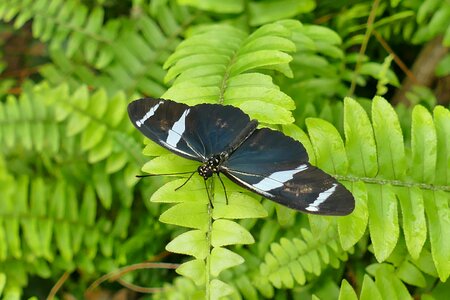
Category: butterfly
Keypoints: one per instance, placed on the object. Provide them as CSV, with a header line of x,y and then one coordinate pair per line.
x,y
225,141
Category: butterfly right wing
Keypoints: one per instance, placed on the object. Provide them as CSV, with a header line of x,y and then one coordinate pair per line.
x,y
276,167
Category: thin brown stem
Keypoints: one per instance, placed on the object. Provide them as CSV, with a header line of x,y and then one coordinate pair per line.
x,y
140,289
115,275
397,59
58,285
364,44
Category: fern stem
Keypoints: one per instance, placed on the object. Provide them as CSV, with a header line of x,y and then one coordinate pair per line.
x,y
226,75
394,182
208,239
397,59
58,285
367,35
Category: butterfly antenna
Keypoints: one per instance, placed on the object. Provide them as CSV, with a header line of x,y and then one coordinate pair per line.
x,y
224,189
207,192
189,178
167,174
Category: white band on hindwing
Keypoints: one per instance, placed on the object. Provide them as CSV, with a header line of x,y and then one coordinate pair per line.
x,y
321,198
277,179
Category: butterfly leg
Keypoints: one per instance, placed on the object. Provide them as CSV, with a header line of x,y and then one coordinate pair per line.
x,y
224,189
189,178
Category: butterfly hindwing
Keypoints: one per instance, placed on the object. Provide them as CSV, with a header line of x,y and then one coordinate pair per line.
x,y
267,151
282,173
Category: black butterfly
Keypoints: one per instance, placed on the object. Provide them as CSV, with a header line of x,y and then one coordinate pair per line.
x,y
225,140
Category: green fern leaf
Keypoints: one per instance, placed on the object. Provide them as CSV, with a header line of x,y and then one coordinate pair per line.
x,y
389,138
233,6
220,289
353,227
187,214
193,269
369,290
190,243
222,259
347,292
226,232
269,11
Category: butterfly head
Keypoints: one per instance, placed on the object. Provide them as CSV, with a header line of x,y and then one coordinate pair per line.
x,y
210,166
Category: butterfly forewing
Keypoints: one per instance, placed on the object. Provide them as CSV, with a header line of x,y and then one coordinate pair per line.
x,y
164,122
215,126
282,173
195,132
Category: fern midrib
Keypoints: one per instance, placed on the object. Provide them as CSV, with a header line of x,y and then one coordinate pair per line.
x,y
394,182
208,241
226,76
23,217
43,121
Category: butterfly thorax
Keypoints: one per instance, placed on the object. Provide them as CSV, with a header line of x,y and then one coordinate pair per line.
x,y
211,165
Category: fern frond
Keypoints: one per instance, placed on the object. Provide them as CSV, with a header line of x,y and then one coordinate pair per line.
x,y
390,22
434,17
321,74
412,271
118,55
219,64
230,75
28,124
58,20
91,126
317,74
379,174
213,229
294,261
99,120
45,222
223,77
373,163
386,285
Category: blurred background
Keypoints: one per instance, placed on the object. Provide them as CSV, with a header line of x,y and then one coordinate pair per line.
x,y
71,208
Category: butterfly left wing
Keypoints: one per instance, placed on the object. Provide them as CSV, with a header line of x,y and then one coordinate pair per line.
x,y
276,167
194,132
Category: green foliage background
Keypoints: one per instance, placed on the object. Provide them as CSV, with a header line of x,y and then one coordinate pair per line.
x,y
71,208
